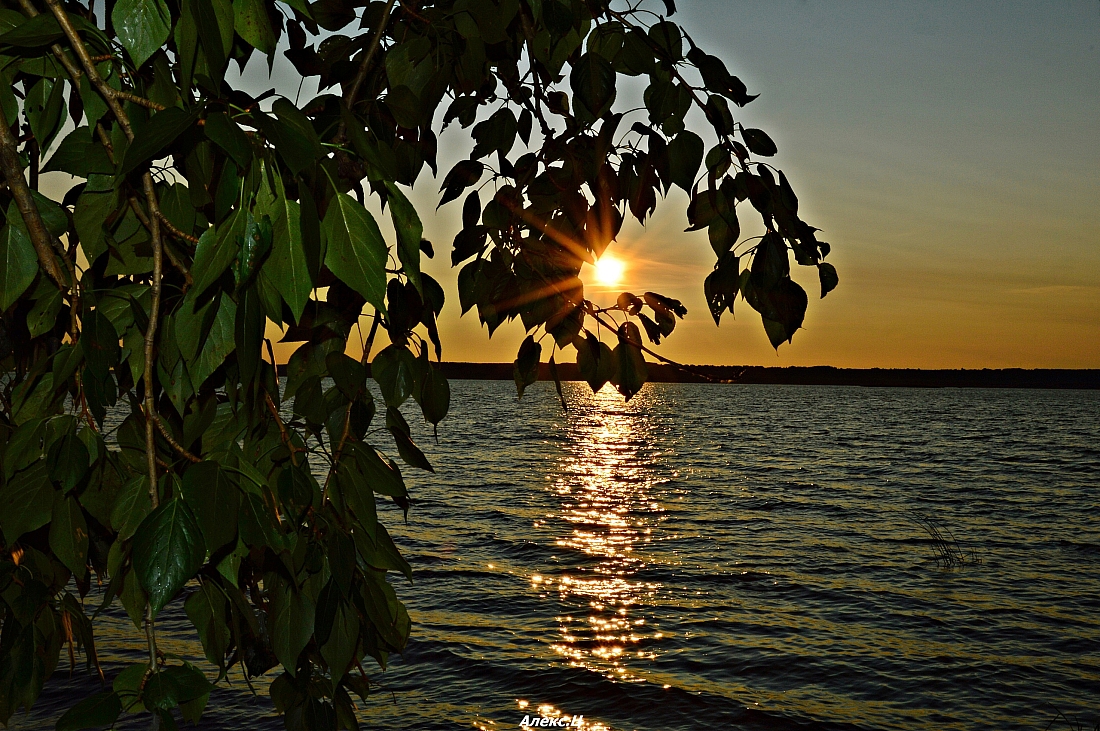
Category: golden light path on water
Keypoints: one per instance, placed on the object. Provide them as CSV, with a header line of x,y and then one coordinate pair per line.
x,y
607,511
605,491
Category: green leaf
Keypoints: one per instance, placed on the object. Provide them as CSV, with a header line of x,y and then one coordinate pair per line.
x,y
495,134
127,685
723,236
134,503
393,368
18,263
216,250
79,155
219,343
214,498
142,26
251,21
380,552
435,396
225,133
92,210
54,218
43,316
357,495
100,344
159,132
409,230
406,447
69,535
40,30
291,621
593,83
758,142
258,526
206,610
381,475
685,154
248,331
829,278
288,265
26,501
349,374
68,460
44,110
343,640
356,252
168,550
101,709
525,370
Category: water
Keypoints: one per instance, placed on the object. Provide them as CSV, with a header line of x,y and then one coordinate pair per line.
x,y
709,556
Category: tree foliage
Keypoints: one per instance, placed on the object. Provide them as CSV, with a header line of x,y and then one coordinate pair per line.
x,y
199,217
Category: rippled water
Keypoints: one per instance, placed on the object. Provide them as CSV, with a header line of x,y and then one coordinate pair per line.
x,y
734,555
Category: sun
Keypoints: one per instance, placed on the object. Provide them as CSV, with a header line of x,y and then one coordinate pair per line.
x,y
609,270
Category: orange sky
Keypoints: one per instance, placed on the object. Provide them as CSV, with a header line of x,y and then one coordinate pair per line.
x,y
949,152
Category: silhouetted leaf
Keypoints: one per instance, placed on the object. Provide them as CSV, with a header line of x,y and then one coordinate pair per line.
x,y
593,83
632,373
525,371
685,154
829,279
758,142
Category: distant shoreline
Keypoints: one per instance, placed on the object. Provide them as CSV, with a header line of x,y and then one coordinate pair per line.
x,y
815,376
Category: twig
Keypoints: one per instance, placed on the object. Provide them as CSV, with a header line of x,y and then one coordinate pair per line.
x,y
172,440
171,228
282,428
364,66
21,192
141,101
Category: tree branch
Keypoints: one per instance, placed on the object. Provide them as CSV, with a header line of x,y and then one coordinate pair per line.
x,y
172,440
364,65
21,192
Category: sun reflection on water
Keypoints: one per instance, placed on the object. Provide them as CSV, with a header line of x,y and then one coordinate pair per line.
x,y
605,482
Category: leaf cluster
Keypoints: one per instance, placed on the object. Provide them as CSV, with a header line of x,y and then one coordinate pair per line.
x,y
201,219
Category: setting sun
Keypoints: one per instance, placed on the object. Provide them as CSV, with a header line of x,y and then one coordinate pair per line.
x,y
609,270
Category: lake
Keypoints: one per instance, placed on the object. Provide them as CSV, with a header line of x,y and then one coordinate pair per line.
x,y
719,555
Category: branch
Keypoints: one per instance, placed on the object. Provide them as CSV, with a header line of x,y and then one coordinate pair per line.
x,y
364,65
139,100
171,228
172,440
136,208
658,356
282,429
21,192
86,61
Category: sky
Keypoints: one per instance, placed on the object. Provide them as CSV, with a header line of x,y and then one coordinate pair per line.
x,y
948,151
